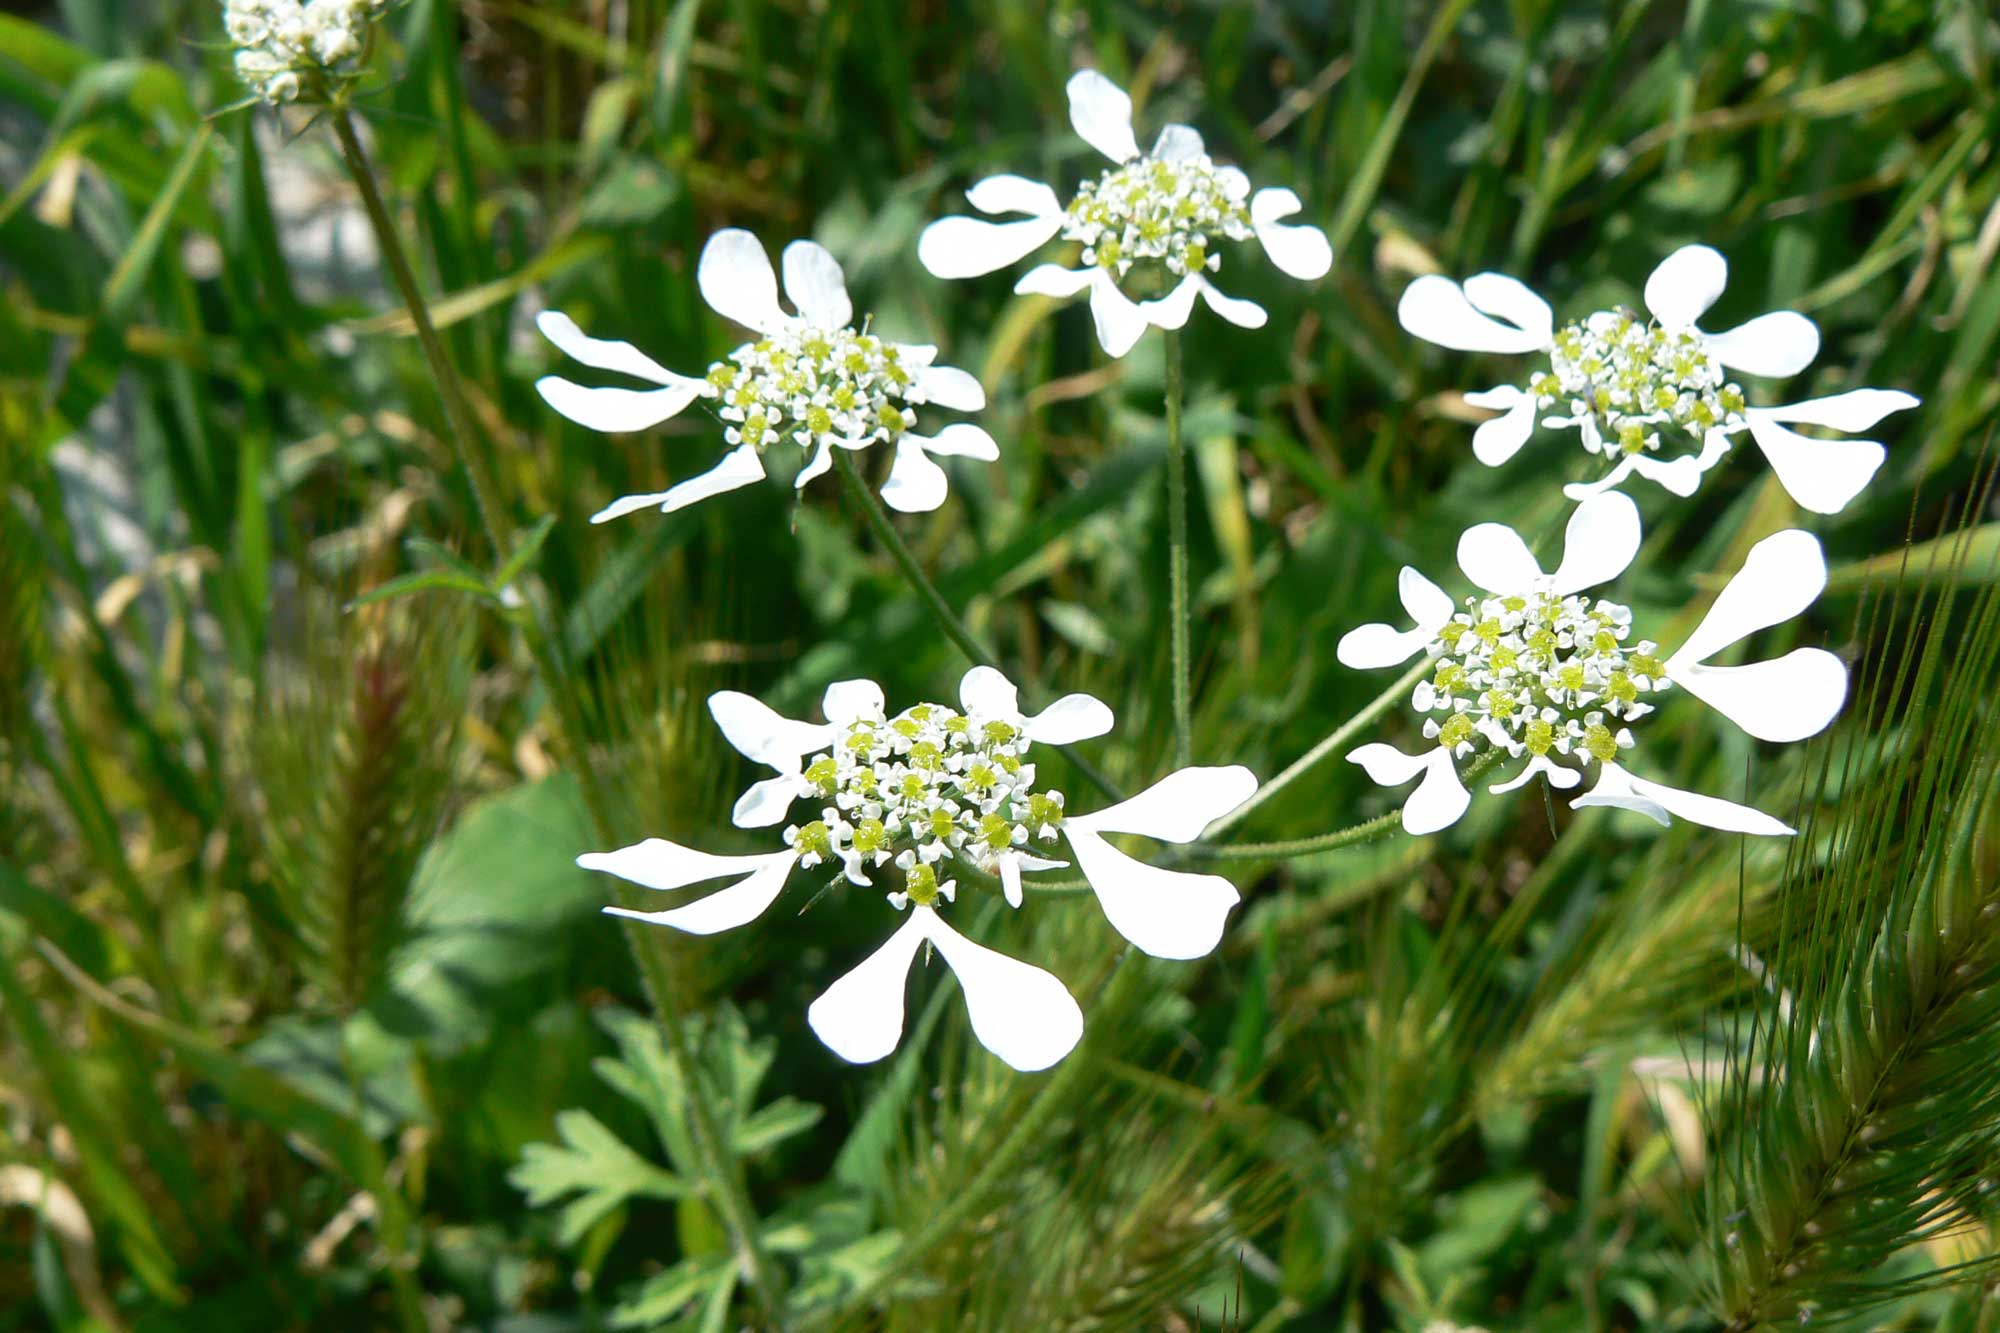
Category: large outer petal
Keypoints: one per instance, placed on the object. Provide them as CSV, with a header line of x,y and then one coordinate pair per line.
x,y
1685,285
1022,1014
962,247
736,279
760,732
1369,646
860,1016
948,386
1514,301
604,353
1437,310
1656,801
848,701
1244,314
1177,807
1072,718
1495,558
1500,439
916,485
1165,913
1299,251
1118,319
817,286
1439,801
1780,578
1822,475
616,410
659,864
1102,114
1781,343
1786,699
739,467
1599,543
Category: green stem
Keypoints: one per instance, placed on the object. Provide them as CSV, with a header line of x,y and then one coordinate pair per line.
x,y
1177,557
730,1193
955,629
391,1220
1333,740
457,414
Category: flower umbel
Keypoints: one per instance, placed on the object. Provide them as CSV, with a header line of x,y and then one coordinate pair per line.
x,y
812,380
1532,667
1655,397
284,47
931,787
1164,213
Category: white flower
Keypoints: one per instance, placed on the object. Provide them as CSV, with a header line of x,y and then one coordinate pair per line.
x,y
1624,383
1164,210
914,790
811,379
1533,667
282,43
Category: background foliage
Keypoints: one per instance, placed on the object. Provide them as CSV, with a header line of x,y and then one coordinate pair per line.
x,y
309,1020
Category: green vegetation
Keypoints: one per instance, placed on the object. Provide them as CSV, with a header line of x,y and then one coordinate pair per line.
x,y
315,678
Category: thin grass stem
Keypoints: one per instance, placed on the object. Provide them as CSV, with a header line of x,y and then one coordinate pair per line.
x,y
1177,557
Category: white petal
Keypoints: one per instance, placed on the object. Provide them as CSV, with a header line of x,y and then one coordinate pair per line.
x,y
1493,556
816,285
1600,541
1370,646
1656,801
1177,143
1235,185
1119,321
1435,309
1177,807
1386,765
627,504
1172,310
1685,284
961,247
961,440
916,485
948,386
1439,800
1008,193
1786,699
1540,765
1778,344
1019,1012
616,409
1072,718
1780,578
602,353
850,701
860,1017
739,467
1857,409
1054,280
1512,300
1679,476
766,802
736,280
1243,314
1299,251
1010,878
1166,913
1102,114
816,467
984,692
1500,439
1821,475
659,864
761,733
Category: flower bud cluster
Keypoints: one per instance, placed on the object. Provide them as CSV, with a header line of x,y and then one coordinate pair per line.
x,y
280,44
1621,380
816,387
1166,211
1538,673
915,789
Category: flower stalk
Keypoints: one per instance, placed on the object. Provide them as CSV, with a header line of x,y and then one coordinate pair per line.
x,y
728,1190
1177,538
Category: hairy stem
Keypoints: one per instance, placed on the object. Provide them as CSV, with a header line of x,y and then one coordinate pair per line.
x,y
1177,559
955,629
728,1190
